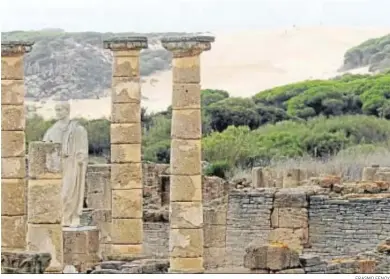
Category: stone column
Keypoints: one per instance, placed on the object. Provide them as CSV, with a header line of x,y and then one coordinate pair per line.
x,y
13,163
44,200
186,210
126,167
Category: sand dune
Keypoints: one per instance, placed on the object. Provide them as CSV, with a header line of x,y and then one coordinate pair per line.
x,y
244,63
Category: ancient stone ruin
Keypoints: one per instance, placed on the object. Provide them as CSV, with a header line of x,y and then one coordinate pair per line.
x,y
62,215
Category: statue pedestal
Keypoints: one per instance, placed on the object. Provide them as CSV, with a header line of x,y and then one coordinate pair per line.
x,y
81,247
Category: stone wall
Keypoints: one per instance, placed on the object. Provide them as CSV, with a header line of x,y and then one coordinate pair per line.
x,y
249,218
347,226
156,239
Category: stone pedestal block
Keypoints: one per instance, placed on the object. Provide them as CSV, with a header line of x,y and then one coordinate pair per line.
x,y
257,178
126,173
13,164
81,247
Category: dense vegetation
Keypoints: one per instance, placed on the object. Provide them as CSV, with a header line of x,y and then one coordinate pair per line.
x,y
311,118
374,53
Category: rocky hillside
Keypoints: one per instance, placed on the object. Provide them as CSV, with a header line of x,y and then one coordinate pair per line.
x,y
374,53
65,65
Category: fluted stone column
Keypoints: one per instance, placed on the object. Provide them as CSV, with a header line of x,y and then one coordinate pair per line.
x,y
186,210
13,163
126,167
45,209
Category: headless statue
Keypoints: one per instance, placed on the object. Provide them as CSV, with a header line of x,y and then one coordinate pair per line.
x,y
74,140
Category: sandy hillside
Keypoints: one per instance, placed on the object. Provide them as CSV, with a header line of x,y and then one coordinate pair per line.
x,y
244,63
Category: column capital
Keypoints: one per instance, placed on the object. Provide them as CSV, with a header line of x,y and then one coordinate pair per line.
x,y
187,45
14,48
126,43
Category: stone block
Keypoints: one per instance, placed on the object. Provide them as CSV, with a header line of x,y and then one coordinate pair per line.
x,y
292,271
186,157
99,200
214,257
309,260
126,113
128,231
23,262
291,178
186,96
13,232
126,90
126,153
12,144
13,167
81,240
293,238
13,196
256,256
102,220
186,243
186,124
104,251
214,236
185,188
186,215
215,216
126,65
367,266
186,265
123,251
126,133
290,198
369,173
45,201
47,238
12,92
81,262
287,217
257,178
44,160
186,69
126,176
12,118
12,67
127,203
278,257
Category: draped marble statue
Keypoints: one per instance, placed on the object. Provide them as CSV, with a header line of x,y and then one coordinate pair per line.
x,y
74,140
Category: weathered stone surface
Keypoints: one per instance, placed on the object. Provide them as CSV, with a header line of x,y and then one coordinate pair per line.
x,y
367,266
24,262
257,178
81,240
126,153
126,176
47,239
126,90
112,264
294,238
125,133
127,203
214,257
255,256
186,243
214,236
102,220
186,265
12,67
286,217
44,160
44,201
12,92
278,257
13,232
12,144
13,195
126,66
186,188
309,260
186,124
369,173
106,271
291,178
128,231
292,271
82,262
215,216
187,96
146,266
186,69
126,113
290,198
186,215
185,157
12,118
123,251
13,167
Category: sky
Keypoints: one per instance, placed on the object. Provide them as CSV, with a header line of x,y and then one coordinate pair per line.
x,y
189,15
